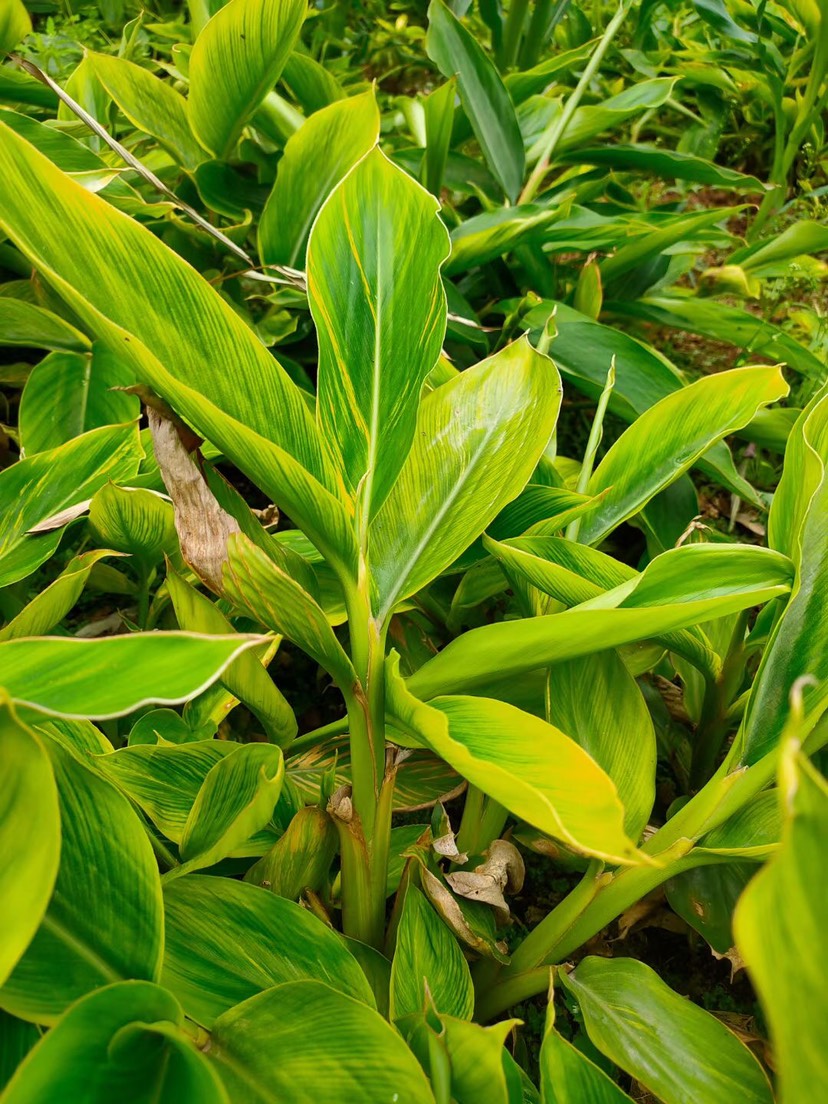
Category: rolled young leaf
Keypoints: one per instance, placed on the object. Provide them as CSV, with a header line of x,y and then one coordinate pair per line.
x,y
333,140
235,62
674,1048
380,311
29,836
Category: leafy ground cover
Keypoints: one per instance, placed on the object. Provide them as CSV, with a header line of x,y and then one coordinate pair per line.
x,y
413,552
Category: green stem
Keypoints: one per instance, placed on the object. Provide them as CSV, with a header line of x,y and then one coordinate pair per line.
x,y
559,126
533,43
595,435
472,812
714,720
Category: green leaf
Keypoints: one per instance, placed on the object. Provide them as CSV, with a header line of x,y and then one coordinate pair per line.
x,y
49,607
227,941
236,800
670,437
705,898
568,1076
722,323
674,1048
24,323
596,702
781,926
104,922
236,60
81,388
171,327
378,303
17,1037
15,23
474,1057
669,164
136,522
303,1039
255,583
478,440
245,678
44,486
125,1042
29,837
799,526
164,781
315,160
682,587
439,119
114,675
456,52
527,765
428,964
151,104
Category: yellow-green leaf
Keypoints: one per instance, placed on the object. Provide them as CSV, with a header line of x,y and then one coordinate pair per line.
x,y
236,60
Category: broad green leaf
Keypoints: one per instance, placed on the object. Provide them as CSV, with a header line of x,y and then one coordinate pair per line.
x,y
723,323
568,1076
669,164
29,836
574,573
595,701
236,60
705,897
15,23
532,768
378,303
49,607
70,393
114,675
316,158
227,941
151,104
24,323
164,781
428,965
105,921
125,1042
683,587
68,153
456,52
44,486
422,778
312,85
478,440
139,296
753,832
781,926
472,1058
136,522
670,437
801,238
674,1048
799,526
305,1040
255,583
17,1037
236,800
245,678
